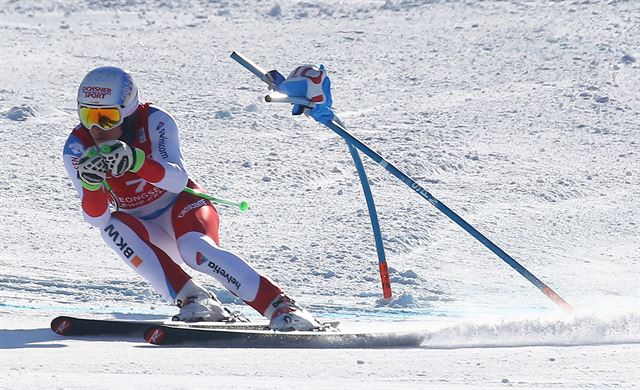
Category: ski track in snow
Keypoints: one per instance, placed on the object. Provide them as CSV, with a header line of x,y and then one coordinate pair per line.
x,y
521,116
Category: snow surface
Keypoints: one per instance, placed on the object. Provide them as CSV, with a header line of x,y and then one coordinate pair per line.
x,y
522,116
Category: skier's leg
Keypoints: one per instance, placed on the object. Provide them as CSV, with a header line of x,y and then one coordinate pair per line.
x,y
195,223
139,244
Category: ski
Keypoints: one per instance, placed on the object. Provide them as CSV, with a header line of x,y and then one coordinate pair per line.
x,y
73,326
265,338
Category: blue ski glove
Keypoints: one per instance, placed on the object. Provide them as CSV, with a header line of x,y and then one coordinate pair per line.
x,y
310,82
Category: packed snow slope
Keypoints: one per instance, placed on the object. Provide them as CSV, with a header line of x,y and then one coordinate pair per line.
x,y
521,116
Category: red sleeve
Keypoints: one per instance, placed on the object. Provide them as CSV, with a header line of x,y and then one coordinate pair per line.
x,y
95,203
152,171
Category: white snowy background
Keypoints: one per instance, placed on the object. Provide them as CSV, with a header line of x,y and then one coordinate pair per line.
x,y
521,116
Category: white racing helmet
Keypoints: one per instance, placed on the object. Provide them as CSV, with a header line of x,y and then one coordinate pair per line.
x,y
104,88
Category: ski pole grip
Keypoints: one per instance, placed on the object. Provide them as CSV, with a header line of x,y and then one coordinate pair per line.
x,y
280,98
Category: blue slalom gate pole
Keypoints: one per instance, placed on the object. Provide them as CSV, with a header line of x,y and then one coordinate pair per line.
x,y
375,225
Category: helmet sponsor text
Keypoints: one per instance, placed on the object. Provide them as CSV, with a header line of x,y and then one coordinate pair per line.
x,y
96,92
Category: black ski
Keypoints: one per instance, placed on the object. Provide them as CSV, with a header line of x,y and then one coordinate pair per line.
x,y
248,338
72,326
229,334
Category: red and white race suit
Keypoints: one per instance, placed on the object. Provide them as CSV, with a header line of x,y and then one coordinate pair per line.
x,y
147,219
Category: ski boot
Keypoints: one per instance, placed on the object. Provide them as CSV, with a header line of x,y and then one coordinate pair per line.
x,y
286,316
197,304
202,307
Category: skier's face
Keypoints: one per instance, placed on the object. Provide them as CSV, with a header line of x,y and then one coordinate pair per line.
x,y
100,136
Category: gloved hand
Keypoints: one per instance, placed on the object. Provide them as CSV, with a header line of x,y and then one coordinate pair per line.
x,y
310,82
120,158
92,169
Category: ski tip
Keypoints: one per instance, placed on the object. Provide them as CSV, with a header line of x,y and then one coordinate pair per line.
x,y
62,325
154,335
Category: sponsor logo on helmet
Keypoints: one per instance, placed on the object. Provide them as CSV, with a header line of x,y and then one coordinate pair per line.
x,y
126,91
92,92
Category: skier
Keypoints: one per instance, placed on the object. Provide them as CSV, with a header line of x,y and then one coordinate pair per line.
x,y
124,160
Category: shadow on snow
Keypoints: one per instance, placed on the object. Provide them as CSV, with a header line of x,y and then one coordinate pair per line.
x,y
28,338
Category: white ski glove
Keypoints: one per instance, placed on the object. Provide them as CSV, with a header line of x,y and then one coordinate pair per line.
x,y
92,169
120,158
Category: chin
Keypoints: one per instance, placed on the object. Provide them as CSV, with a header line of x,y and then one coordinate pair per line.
x,y
100,135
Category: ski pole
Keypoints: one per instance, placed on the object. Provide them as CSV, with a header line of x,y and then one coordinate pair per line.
x,y
243,205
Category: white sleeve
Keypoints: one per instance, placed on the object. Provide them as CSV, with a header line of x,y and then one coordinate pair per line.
x,y
165,149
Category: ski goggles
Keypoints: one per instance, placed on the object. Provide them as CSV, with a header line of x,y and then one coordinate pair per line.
x,y
105,118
